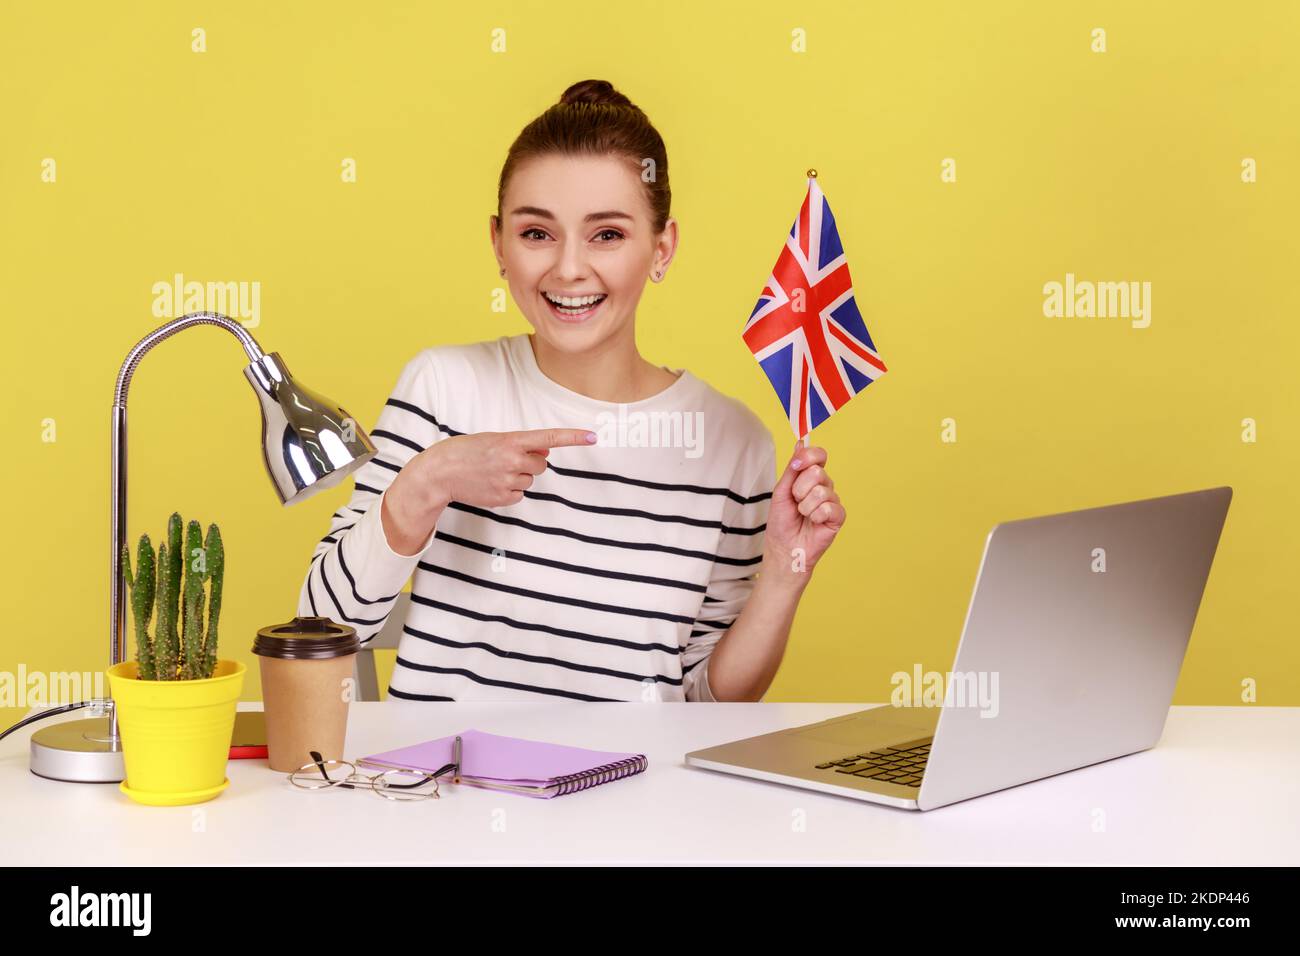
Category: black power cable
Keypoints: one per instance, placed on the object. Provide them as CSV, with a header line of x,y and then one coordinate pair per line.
x,y
32,718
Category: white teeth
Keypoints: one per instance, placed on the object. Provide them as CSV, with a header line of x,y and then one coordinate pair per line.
x,y
573,302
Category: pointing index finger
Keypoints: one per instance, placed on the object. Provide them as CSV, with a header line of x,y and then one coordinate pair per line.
x,y
554,438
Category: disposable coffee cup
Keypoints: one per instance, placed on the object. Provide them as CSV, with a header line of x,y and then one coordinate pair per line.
x,y
306,684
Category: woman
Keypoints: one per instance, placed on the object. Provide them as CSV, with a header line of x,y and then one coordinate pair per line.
x,y
580,523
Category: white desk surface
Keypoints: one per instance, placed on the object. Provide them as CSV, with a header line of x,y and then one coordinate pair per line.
x,y
1221,788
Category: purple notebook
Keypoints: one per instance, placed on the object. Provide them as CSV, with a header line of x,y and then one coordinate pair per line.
x,y
515,765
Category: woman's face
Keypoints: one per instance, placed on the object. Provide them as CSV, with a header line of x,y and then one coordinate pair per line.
x,y
577,243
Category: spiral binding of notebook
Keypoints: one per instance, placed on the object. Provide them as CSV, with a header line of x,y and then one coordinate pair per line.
x,y
572,783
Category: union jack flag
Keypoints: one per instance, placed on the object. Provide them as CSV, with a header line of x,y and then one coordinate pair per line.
x,y
806,330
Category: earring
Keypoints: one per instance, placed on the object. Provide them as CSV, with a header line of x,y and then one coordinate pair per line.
x,y
503,271
659,274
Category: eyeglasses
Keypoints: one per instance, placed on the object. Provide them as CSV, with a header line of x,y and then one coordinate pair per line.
x,y
396,785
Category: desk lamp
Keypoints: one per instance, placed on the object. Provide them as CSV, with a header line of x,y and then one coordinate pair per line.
x,y
308,443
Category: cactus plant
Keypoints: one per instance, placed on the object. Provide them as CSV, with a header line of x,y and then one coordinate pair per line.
x,y
167,651
191,624
216,573
142,601
174,583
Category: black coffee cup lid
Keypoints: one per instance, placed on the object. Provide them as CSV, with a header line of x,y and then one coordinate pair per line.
x,y
306,638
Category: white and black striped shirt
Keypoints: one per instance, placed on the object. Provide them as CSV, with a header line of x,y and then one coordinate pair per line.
x,y
613,578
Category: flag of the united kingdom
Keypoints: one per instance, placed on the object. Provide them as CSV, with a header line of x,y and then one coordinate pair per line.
x,y
806,330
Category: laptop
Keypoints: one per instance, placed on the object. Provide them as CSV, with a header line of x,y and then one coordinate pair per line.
x,y
1072,645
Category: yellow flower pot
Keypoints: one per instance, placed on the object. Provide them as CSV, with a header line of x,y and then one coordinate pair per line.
x,y
175,733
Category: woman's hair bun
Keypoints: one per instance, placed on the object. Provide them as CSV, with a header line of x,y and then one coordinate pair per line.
x,y
594,91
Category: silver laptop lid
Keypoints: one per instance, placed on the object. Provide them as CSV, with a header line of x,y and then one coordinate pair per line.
x,y
1078,625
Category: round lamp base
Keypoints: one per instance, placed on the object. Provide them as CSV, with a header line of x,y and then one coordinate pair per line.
x,y
78,751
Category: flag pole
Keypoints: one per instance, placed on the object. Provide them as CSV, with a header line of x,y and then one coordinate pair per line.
x,y
812,174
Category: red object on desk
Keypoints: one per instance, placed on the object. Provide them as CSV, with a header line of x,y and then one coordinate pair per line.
x,y
249,737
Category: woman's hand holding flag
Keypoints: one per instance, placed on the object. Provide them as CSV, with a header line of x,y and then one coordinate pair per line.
x,y
805,515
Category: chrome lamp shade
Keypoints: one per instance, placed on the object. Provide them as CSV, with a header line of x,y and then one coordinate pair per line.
x,y
308,444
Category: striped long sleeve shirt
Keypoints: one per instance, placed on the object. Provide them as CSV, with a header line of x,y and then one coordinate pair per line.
x,y
613,579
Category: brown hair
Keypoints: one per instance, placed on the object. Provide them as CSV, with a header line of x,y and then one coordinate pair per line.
x,y
593,118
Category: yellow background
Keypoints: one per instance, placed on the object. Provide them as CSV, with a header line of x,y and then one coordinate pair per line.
x,y
225,166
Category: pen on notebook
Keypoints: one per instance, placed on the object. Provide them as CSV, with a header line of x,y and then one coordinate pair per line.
x,y
455,759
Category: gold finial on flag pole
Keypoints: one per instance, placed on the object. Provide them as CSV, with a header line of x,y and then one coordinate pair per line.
x,y
812,174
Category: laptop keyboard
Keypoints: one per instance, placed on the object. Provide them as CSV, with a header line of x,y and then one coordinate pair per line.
x,y
902,764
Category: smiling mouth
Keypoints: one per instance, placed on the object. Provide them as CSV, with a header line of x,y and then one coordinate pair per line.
x,y
574,307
